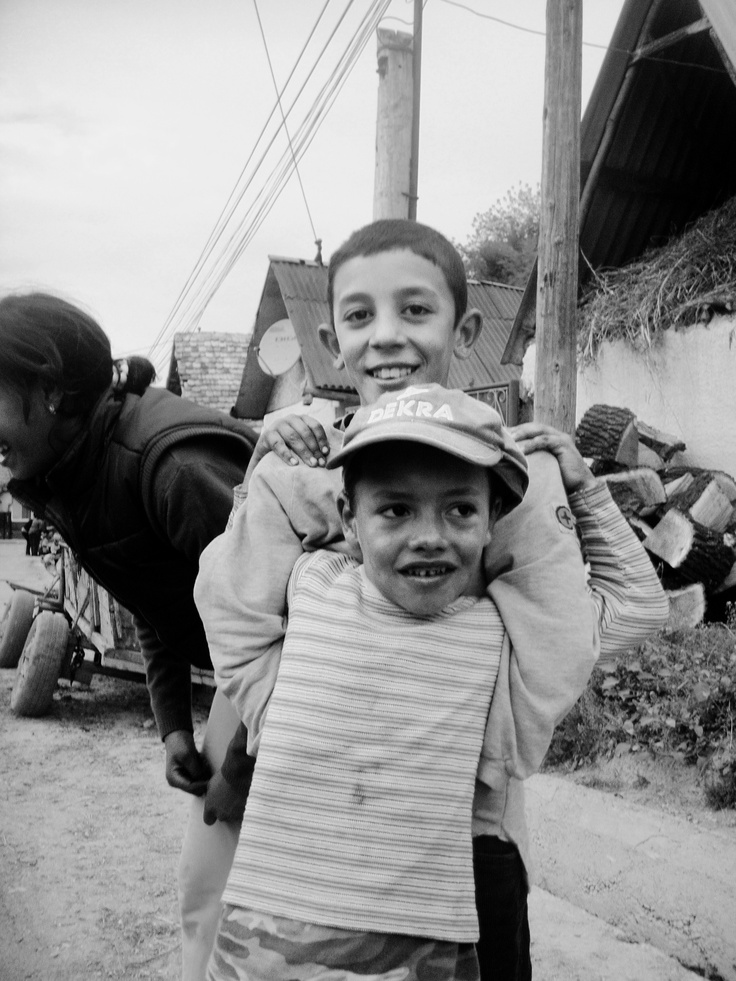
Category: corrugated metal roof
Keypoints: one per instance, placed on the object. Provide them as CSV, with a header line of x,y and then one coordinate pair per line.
x,y
206,367
656,135
498,303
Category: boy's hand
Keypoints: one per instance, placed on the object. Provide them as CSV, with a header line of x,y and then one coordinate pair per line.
x,y
532,436
223,802
293,438
186,769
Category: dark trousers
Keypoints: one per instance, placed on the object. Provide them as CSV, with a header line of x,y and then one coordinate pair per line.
x,y
501,898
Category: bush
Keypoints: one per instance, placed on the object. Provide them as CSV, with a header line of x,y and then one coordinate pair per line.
x,y
674,696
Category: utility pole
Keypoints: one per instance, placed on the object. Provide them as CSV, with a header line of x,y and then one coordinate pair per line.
x,y
391,193
416,92
557,278
397,124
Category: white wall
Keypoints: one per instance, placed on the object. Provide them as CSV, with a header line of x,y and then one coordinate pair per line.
x,y
685,385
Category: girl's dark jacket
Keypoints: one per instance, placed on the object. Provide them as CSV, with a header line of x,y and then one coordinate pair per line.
x,y
142,490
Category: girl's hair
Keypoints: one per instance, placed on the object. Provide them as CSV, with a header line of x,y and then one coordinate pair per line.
x,y
393,234
47,341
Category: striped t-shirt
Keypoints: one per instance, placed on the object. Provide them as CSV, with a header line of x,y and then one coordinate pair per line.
x,y
359,815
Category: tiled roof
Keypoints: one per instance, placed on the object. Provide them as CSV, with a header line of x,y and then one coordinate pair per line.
x,y
206,367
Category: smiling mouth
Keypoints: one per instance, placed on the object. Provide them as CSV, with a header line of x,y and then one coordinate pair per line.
x,y
423,572
393,373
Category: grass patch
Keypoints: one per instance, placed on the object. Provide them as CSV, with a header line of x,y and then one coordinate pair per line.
x,y
673,698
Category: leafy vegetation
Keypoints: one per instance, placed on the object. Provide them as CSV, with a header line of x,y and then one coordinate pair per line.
x,y
674,697
503,245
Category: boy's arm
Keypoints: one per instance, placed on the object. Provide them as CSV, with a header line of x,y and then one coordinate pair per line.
x,y
539,683
536,579
241,587
627,594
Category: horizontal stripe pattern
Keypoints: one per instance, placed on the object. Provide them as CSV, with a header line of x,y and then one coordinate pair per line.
x,y
359,815
629,598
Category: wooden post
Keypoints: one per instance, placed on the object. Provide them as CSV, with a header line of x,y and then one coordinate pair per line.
x,y
391,187
416,91
557,279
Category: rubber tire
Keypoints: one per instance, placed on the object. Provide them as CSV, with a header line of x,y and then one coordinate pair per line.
x,y
14,627
40,665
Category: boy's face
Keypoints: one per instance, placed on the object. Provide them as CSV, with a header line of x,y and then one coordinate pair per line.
x,y
394,323
422,519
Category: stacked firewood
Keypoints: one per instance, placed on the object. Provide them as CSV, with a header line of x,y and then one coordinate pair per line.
x,y
684,516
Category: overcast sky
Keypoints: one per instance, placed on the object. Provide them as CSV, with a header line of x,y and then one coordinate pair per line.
x,y
126,124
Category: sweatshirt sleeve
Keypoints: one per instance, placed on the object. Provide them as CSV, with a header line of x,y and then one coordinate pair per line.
x,y
192,497
168,679
241,587
625,604
536,577
627,595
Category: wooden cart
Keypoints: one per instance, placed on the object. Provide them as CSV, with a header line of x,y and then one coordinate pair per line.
x,y
73,630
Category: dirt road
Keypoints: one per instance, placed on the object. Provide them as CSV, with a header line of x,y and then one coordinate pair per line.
x,y
90,835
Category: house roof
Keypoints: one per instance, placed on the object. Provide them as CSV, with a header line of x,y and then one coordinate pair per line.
x,y
206,367
655,137
297,289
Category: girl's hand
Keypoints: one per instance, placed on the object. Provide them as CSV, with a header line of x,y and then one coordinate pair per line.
x,y
294,439
532,436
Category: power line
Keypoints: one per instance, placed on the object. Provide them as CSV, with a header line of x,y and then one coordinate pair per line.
x,y
202,283
167,329
283,119
233,201
586,44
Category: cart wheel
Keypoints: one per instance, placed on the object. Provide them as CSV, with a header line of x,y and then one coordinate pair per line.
x,y
14,627
40,664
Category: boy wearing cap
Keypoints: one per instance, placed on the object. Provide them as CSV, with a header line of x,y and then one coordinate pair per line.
x,y
355,852
398,299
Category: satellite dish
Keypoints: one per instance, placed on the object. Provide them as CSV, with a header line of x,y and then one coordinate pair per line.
x,y
279,348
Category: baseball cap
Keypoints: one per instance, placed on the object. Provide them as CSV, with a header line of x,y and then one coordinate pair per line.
x,y
447,419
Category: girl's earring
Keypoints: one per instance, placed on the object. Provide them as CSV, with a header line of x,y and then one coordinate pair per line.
x,y
52,409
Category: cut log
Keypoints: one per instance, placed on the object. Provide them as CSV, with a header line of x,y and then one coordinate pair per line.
x,y
608,432
724,480
727,484
703,499
674,485
687,607
636,492
640,527
728,582
697,553
648,458
664,444
713,509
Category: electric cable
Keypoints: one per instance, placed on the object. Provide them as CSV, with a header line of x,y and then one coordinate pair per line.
x,y
283,119
226,214
190,307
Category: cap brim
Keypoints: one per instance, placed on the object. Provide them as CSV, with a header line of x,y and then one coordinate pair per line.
x,y
465,447
509,471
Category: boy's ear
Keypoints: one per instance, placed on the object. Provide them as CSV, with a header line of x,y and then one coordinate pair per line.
x,y
347,517
495,511
329,340
467,333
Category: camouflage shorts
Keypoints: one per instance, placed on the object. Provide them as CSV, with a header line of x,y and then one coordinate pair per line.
x,y
255,946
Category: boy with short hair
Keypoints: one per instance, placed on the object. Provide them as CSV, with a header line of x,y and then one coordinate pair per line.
x,y
398,306
356,844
